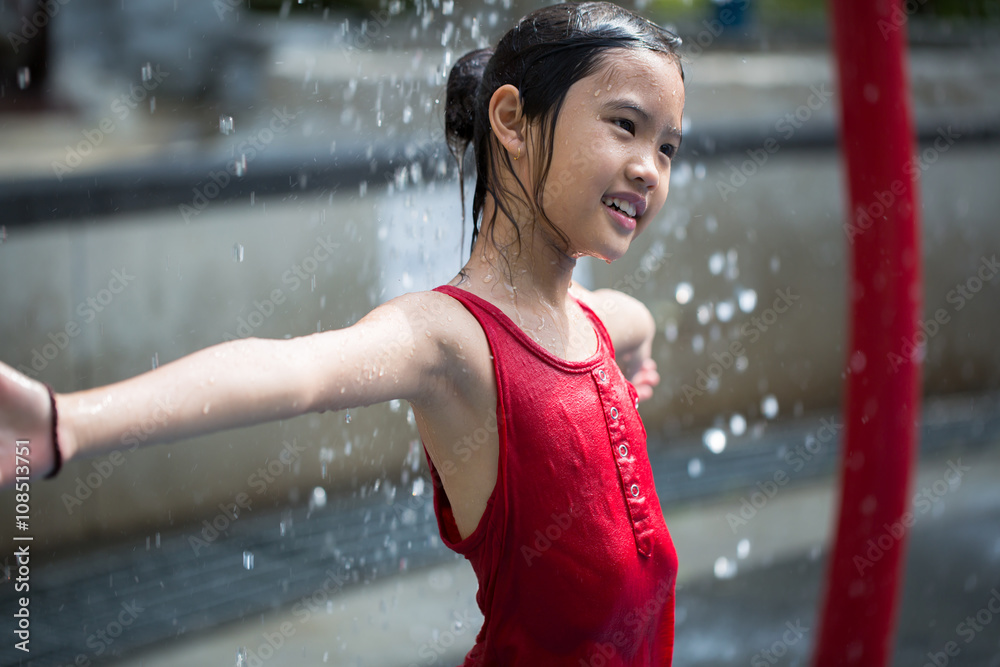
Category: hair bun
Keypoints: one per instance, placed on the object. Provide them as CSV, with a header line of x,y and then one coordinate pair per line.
x,y
460,99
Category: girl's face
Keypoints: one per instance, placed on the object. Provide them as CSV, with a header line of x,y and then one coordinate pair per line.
x,y
614,140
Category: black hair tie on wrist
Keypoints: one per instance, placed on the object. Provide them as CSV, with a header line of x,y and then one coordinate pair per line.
x,y
55,438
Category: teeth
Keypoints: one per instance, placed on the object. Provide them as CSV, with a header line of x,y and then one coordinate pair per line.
x,y
624,206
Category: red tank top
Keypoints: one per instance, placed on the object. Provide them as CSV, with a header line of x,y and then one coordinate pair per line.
x,y
573,557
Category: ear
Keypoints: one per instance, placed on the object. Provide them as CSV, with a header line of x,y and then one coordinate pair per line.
x,y
507,118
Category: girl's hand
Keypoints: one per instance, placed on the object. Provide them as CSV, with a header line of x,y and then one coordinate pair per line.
x,y
25,414
632,328
645,379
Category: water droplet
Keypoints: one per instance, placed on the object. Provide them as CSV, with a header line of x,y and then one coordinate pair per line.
x,y
204,410
769,406
743,548
147,72
247,560
241,657
858,361
748,300
684,293
347,417
715,440
156,360
418,486
716,263
152,105
694,468
240,165
737,424
237,252
318,497
23,78
724,568
724,310
407,114
226,124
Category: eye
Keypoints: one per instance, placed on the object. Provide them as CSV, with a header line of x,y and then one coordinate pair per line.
x,y
625,124
669,150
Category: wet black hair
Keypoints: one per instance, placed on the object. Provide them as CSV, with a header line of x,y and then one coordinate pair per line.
x,y
542,56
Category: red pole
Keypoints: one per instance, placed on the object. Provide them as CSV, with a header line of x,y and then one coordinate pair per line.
x,y
882,404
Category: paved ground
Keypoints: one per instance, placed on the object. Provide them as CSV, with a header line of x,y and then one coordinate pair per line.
x,y
429,617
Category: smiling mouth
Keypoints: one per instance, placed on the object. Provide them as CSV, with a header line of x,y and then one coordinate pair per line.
x,y
621,205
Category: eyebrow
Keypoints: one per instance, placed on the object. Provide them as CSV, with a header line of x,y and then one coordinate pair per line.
x,y
616,105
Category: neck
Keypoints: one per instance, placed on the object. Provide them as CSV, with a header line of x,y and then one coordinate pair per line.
x,y
540,270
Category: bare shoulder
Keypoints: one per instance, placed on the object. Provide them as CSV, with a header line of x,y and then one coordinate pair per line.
x,y
454,339
628,320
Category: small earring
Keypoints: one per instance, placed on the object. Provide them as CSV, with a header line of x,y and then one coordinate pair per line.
x,y
518,153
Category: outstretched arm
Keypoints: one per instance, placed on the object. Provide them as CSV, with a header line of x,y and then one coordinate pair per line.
x,y
386,355
631,327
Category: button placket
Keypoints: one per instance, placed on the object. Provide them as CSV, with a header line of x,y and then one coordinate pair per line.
x,y
613,396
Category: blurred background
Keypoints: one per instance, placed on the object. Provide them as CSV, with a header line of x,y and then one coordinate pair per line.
x,y
177,174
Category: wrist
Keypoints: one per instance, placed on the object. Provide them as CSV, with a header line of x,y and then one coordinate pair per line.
x,y
57,457
63,435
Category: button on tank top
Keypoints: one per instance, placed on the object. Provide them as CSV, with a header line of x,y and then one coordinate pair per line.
x,y
574,560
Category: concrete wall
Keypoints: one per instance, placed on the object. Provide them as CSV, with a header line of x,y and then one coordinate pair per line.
x,y
188,292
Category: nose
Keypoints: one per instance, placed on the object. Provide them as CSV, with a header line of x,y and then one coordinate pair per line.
x,y
642,169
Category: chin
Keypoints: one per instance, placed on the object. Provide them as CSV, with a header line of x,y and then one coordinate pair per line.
x,y
610,254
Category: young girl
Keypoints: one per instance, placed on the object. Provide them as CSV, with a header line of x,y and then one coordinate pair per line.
x,y
574,120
